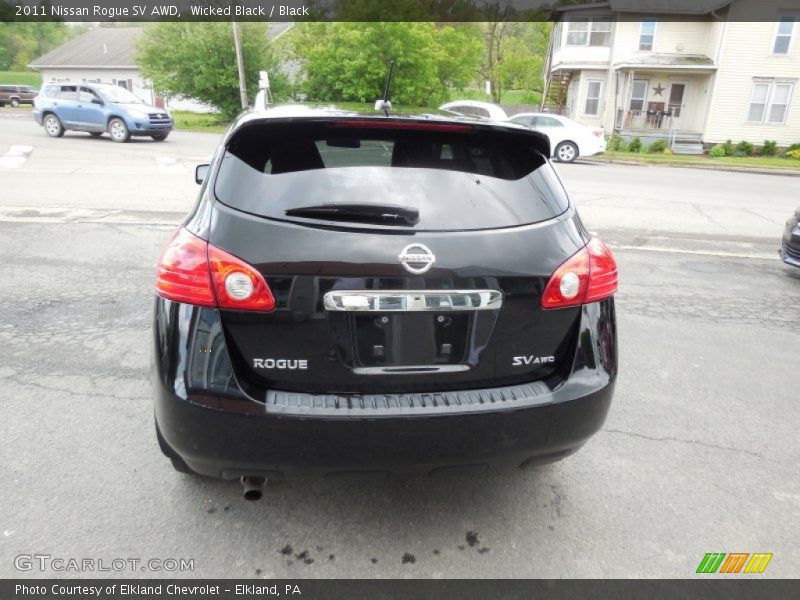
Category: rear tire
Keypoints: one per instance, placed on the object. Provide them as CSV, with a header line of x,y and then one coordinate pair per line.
x,y
95,133
14,102
159,137
118,130
566,152
53,126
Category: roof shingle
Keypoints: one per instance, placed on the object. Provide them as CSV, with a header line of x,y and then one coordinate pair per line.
x,y
100,47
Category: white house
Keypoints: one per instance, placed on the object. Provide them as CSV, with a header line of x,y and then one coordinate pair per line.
x,y
101,55
709,77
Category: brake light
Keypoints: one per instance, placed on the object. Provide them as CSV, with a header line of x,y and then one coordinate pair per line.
x,y
183,273
598,133
195,272
587,276
415,125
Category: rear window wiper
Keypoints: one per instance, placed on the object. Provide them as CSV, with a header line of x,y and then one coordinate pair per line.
x,y
367,213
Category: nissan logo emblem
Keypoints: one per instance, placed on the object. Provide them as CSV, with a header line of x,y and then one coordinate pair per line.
x,y
416,258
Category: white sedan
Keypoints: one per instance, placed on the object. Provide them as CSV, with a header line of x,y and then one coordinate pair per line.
x,y
568,139
476,108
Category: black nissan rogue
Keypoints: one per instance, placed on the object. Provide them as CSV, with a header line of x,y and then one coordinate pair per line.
x,y
380,294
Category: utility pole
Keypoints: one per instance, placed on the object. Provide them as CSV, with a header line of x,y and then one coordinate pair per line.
x,y
237,42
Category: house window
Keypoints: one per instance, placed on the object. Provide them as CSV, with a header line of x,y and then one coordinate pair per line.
x,y
783,36
593,92
639,94
647,35
769,102
589,33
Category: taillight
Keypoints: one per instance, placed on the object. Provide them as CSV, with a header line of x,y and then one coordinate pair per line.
x,y
237,284
587,276
195,272
598,133
183,273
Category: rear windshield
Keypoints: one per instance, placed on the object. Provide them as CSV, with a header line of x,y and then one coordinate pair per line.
x,y
457,177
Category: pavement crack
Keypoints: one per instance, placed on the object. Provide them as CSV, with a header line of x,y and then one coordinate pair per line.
x,y
682,441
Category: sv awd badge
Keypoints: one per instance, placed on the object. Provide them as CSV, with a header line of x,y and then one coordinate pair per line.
x,y
533,360
279,363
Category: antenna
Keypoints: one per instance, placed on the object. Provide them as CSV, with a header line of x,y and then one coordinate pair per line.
x,y
384,103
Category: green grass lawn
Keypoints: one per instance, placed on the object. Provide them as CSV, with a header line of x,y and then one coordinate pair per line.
x,y
190,121
21,78
764,162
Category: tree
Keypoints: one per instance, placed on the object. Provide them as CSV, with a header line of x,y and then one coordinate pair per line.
x,y
514,51
348,61
21,43
198,60
523,54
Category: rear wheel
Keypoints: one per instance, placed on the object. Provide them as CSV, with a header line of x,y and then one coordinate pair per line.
x,y
95,133
159,137
566,152
15,102
118,130
53,126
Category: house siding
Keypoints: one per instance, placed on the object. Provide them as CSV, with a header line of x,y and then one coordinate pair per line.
x,y
716,102
746,54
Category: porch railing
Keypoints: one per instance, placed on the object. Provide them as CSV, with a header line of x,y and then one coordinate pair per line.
x,y
663,120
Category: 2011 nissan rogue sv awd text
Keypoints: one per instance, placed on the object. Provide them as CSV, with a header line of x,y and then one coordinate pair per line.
x,y
381,294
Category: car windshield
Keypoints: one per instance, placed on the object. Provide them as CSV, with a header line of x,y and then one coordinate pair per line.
x,y
119,95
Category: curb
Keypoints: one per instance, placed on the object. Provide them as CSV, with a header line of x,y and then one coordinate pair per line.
x,y
734,169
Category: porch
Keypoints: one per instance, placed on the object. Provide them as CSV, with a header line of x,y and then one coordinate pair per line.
x,y
664,97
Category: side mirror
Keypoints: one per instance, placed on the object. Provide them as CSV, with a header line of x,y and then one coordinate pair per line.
x,y
200,173
97,101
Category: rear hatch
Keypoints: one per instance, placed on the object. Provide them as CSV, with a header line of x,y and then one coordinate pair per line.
x,y
404,255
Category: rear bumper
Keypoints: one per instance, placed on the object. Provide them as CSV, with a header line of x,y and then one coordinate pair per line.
x,y
228,444
594,148
217,430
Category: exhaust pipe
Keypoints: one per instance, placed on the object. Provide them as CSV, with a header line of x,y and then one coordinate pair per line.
x,y
253,488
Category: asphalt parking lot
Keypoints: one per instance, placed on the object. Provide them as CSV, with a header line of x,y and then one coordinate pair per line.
x,y
699,452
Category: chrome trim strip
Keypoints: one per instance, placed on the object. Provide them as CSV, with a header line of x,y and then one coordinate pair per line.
x,y
410,370
412,300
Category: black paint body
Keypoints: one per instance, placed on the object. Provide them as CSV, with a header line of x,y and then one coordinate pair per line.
x,y
790,247
225,417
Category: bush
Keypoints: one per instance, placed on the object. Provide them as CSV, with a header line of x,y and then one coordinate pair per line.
x,y
795,154
770,148
657,147
635,145
792,148
745,148
728,148
668,152
718,151
617,144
